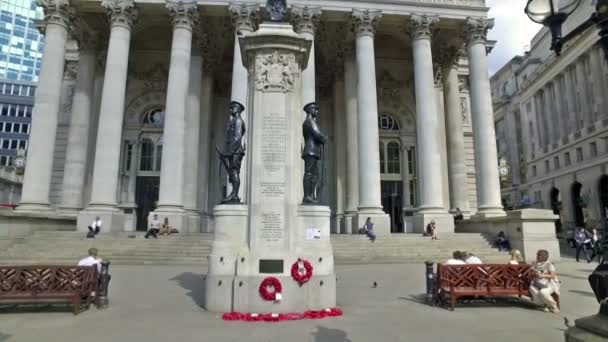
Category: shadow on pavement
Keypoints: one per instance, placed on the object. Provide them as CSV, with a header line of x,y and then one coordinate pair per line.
x,y
418,299
583,293
330,335
195,283
37,308
4,337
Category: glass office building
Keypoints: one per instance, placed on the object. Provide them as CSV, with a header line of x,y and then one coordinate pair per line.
x,y
21,47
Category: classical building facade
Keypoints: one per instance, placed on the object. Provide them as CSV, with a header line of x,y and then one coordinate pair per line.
x,y
551,117
133,100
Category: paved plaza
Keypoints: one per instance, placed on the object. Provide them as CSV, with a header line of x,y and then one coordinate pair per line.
x,y
162,303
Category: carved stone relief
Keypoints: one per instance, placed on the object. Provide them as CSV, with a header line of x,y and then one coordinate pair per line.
x,y
275,72
464,110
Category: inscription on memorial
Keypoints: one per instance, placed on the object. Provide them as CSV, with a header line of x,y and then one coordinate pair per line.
x,y
272,189
272,226
273,142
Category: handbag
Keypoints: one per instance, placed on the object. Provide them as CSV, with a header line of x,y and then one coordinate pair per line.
x,y
541,283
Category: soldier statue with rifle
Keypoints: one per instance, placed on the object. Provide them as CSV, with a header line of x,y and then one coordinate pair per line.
x,y
314,143
234,151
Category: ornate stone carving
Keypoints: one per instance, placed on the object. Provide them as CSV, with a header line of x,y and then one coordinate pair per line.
x,y
58,12
464,110
305,19
275,72
422,25
449,57
476,29
438,76
70,70
365,22
121,12
463,83
183,14
244,16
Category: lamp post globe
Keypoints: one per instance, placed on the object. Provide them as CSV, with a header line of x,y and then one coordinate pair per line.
x,y
552,13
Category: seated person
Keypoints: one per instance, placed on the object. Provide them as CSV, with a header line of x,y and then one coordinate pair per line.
x,y
545,283
456,259
153,227
369,229
91,260
95,227
165,228
471,259
458,215
502,242
516,257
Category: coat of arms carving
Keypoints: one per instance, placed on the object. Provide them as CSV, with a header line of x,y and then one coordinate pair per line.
x,y
275,72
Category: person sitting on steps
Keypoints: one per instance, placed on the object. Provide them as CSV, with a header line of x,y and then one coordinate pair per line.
x,y
153,227
94,228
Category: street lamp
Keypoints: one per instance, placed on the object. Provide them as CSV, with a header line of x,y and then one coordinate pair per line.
x,y
553,13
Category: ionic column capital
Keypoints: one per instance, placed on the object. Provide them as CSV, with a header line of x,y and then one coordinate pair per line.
x,y
476,29
244,16
305,19
421,26
121,12
365,22
58,12
183,14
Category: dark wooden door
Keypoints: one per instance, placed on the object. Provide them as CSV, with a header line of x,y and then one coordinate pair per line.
x,y
146,196
392,203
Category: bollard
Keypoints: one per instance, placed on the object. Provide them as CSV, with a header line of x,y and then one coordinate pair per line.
x,y
430,282
104,281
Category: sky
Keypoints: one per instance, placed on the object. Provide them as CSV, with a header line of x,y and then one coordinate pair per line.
x,y
512,30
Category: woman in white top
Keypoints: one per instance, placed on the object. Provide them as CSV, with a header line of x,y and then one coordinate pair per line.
x,y
545,283
516,257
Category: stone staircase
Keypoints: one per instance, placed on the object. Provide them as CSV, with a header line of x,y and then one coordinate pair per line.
x,y
60,247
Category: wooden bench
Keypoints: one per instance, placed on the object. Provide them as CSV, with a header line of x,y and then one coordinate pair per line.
x,y
455,281
36,283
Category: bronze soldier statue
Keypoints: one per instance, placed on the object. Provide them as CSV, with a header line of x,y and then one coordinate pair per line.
x,y
314,140
234,151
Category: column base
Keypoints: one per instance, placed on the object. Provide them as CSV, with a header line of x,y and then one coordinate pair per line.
x,y
380,219
71,211
483,213
194,221
112,220
33,207
350,223
206,223
130,210
338,224
443,221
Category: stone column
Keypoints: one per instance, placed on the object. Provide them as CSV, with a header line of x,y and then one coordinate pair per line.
x,y
244,17
80,122
205,145
339,145
192,141
428,128
405,176
171,199
486,158
352,143
570,101
305,20
598,91
457,168
109,132
133,172
37,178
370,205
549,114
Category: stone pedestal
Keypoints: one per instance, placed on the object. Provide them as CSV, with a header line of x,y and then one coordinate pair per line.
x,y
589,329
444,222
266,236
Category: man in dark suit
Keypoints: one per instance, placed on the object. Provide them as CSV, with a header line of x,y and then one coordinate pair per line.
x,y
313,140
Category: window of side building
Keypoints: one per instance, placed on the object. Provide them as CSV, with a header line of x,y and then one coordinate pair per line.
x,y
579,154
533,170
593,149
567,160
547,167
556,162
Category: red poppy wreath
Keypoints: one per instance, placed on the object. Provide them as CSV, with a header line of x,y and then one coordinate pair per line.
x,y
301,271
270,282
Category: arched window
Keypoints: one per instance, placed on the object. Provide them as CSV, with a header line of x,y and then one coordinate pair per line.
x,y
146,161
387,123
154,117
393,160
